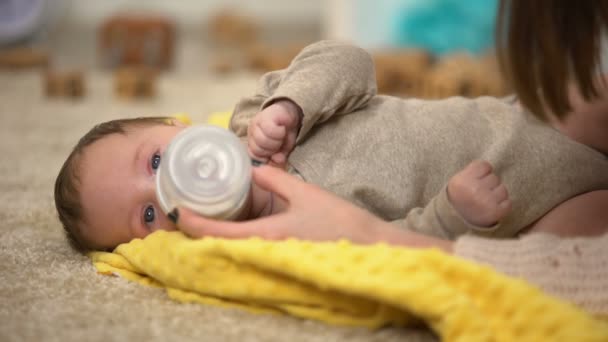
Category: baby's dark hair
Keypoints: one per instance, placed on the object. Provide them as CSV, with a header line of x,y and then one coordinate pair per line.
x,y
67,184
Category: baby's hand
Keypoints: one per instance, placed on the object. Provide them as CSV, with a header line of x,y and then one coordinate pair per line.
x,y
479,195
271,134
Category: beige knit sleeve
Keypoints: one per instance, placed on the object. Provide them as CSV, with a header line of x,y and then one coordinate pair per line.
x,y
325,79
575,269
440,219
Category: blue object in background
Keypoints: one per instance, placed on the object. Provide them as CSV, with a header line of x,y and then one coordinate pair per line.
x,y
444,26
19,19
23,21
440,26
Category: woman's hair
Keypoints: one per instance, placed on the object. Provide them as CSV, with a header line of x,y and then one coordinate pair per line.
x,y
67,184
544,45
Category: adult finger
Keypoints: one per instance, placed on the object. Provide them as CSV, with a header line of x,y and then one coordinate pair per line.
x,y
196,226
276,181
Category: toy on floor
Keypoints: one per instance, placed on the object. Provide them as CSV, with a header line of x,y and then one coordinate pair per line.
x,y
136,40
223,63
231,28
23,57
255,57
463,75
238,46
68,84
265,57
415,73
135,82
401,71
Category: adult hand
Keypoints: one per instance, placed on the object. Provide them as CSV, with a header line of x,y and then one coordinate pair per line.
x,y
311,214
271,134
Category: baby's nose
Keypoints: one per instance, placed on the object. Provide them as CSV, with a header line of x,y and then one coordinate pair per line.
x,y
150,188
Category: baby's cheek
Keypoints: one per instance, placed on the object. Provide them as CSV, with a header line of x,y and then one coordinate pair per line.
x,y
166,224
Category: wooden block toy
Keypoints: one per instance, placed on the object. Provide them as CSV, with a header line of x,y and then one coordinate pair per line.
x,y
255,56
400,72
450,76
23,57
492,75
222,64
230,28
136,40
264,58
438,85
69,84
464,75
135,82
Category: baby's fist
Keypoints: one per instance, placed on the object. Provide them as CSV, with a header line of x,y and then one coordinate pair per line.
x,y
272,132
479,195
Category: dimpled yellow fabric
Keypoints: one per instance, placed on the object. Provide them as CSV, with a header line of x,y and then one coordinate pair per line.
x,y
221,119
342,283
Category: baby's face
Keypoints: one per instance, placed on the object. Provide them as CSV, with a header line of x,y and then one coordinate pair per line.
x,y
118,189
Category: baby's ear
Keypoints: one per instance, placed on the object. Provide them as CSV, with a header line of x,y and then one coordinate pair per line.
x,y
180,120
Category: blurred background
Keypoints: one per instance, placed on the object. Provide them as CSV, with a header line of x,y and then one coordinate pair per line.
x,y
422,48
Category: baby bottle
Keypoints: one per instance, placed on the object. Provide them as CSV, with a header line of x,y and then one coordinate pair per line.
x,y
206,169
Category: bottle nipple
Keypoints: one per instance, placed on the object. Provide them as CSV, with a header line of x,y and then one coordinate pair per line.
x,y
207,167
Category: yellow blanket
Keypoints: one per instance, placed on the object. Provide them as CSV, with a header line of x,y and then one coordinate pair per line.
x,y
341,283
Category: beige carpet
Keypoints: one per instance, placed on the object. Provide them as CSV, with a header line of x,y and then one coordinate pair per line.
x,y
50,293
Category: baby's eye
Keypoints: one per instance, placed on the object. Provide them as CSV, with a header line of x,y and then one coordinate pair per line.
x,y
155,161
149,215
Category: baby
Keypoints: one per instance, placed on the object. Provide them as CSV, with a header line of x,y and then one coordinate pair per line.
x,y
413,162
105,191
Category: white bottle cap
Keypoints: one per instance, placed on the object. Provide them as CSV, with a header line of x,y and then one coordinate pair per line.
x,y
206,169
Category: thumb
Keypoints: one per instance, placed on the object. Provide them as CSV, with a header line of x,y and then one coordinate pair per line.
x,y
275,180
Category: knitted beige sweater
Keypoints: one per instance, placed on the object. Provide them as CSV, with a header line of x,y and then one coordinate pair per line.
x,y
575,269
394,156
